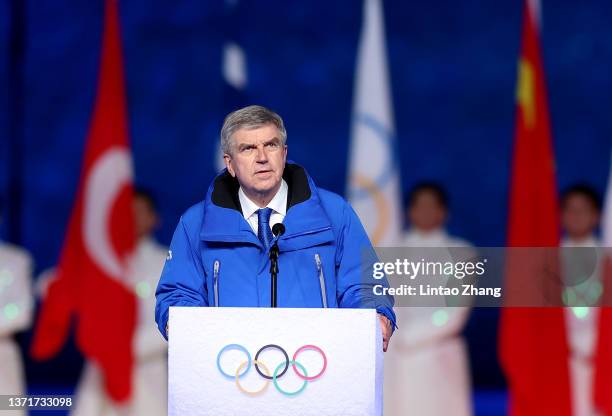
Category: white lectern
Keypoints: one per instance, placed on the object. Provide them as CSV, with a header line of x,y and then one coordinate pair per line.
x,y
285,361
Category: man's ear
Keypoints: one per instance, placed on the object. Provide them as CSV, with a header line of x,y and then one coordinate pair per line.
x,y
228,164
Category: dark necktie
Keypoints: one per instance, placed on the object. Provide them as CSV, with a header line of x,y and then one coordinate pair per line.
x,y
263,228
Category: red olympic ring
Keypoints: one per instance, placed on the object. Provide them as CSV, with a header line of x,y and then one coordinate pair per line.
x,y
309,347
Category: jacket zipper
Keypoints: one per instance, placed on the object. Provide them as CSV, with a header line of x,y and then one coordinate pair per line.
x,y
321,279
216,282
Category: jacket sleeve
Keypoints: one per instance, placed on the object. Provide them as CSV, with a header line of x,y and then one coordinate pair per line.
x,y
354,265
182,279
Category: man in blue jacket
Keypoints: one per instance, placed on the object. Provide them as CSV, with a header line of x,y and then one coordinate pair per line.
x,y
219,255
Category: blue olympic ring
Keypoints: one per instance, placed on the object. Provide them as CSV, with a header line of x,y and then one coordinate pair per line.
x,y
388,139
234,347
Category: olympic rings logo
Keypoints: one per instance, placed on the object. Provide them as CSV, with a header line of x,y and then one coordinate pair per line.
x,y
278,372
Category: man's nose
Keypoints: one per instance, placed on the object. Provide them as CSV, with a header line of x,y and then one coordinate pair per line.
x,y
261,155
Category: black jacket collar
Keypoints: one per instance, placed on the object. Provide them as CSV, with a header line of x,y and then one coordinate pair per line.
x,y
225,188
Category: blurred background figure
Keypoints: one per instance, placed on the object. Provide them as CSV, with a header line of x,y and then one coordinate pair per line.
x,y
16,305
428,362
580,213
149,383
427,212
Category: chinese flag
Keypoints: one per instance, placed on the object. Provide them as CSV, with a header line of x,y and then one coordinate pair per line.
x,y
533,346
89,285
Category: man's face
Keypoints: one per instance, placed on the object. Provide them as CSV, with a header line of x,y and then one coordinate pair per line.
x,y
145,217
579,216
426,212
257,160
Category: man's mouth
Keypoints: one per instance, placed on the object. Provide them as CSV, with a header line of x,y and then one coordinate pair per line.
x,y
260,172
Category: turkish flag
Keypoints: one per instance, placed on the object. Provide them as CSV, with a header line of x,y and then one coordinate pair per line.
x,y
533,344
90,282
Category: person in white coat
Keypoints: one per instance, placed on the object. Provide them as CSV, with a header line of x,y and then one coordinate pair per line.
x,y
427,371
580,213
16,308
149,393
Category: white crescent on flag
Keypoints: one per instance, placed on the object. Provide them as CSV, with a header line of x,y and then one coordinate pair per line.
x,y
105,180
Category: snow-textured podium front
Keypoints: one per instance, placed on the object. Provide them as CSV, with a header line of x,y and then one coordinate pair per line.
x,y
285,361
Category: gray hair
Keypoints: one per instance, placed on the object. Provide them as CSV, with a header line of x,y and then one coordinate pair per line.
x,y
251,117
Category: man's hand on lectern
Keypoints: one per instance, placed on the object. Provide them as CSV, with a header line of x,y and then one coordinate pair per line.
x,y
387,331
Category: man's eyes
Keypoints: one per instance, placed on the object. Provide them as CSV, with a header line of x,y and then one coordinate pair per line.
x,y
249,149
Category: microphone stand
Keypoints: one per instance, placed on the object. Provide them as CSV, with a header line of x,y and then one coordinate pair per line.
x,y
277,231
273,273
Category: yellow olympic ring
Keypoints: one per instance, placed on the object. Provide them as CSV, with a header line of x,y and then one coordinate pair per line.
x,y
257,392
381,206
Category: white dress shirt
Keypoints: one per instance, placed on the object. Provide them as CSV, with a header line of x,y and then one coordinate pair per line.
x,y
278,205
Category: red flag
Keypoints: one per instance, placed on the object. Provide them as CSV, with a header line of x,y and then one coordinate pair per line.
x,y
533,346
603,355
89,284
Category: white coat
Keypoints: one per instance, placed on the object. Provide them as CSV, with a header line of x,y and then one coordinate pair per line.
x,y
426,366
16,306
150,377
581,324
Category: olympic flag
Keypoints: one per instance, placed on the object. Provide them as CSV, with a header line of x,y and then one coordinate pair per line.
x,y
374,181
274,361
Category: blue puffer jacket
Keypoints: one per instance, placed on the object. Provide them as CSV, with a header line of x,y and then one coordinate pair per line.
x,y
216,259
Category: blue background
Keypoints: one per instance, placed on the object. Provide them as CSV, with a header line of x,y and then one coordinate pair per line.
x,y
453,75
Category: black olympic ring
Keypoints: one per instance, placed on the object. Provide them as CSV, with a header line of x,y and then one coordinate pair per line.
x,y
278,347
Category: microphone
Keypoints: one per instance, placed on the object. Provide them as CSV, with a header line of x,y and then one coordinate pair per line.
x,y
277,230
